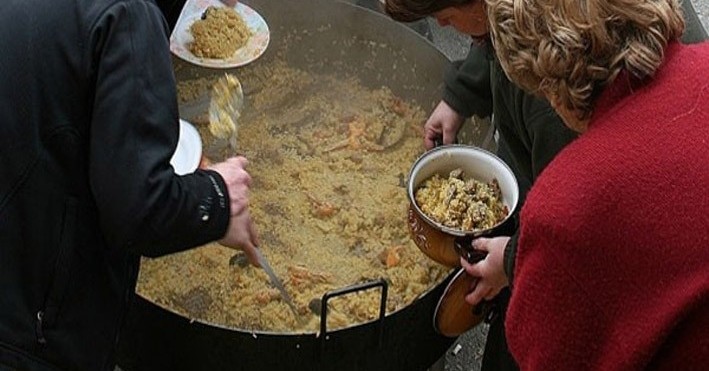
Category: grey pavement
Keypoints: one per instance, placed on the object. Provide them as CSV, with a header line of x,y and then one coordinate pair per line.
x,y
702,9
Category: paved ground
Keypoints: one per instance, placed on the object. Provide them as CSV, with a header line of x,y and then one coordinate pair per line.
x,y
702,8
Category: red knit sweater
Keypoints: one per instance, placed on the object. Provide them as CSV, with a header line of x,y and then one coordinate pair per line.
x,y
612,269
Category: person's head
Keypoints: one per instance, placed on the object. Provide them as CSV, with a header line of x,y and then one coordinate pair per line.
x,y
569,50
466,16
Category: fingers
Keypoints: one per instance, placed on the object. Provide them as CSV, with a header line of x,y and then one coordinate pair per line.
x,y
429,143
438,132
431,135
231,3
250,252
443,124
239,161
241,234
481,290
475,270
253,234
252,245
489,271
481,244
479,293
232,162
449,134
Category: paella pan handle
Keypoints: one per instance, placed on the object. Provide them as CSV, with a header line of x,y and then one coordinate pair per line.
x,y
348,290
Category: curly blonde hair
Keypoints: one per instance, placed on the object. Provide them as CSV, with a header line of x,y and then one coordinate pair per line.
x,y
568,50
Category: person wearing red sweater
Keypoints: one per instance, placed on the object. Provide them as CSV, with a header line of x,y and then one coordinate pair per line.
x,y
612,268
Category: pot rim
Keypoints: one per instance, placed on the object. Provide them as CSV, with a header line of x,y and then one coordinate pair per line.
x,y
301,333
454,231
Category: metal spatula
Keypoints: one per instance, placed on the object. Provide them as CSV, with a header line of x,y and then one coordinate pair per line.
x,y
221,107
227,100
276,282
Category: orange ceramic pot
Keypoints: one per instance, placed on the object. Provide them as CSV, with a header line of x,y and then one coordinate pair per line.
x,y
445,245
453,315
441,243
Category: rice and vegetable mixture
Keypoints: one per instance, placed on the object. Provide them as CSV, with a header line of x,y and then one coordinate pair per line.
x,y
219,34
457,202
328,158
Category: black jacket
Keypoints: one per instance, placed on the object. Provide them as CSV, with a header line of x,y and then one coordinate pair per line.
x,y
88,123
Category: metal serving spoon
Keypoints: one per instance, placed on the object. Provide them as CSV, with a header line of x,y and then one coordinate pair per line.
x,y
222,104
225,108
240,260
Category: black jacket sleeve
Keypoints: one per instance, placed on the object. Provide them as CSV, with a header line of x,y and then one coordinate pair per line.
x,y
143,205
509,257
467,84
546,133
532,134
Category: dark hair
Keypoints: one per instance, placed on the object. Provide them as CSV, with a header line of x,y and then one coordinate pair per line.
x,y
413,10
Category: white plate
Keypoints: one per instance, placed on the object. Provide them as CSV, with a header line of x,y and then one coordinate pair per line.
x,y
192,11
188,154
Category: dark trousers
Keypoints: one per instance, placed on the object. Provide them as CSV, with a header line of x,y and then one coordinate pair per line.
x,y
497,356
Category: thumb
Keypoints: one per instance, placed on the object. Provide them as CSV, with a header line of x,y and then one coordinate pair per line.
x,y
255,240
250,252
239,161
481,244
475,270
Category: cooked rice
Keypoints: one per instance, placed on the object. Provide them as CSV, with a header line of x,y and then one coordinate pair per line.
x,y
330,207
227,101
219,34
465,204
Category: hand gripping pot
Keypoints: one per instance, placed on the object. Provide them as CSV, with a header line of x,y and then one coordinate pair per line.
x,y
446,245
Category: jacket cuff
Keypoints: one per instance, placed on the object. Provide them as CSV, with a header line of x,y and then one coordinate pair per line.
x,y
467,84
509,257
215,210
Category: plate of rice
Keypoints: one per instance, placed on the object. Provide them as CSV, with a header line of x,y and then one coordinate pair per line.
x,y
211,34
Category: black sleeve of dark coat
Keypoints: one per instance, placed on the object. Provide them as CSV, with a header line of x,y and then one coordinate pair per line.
x,y
467,84
143,205
546,135
171,10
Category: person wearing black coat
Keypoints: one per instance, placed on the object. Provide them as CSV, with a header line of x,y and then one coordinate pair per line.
x,y
88,124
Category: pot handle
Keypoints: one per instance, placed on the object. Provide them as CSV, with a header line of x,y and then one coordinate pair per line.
x,y
348,290
464,248
439,141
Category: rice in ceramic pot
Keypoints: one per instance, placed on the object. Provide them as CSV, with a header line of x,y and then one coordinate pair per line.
x,y
460,202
